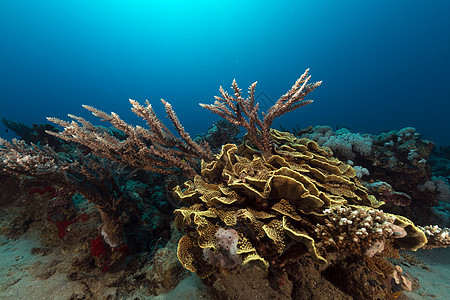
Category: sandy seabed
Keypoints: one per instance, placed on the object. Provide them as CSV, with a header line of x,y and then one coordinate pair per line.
x,y
28,275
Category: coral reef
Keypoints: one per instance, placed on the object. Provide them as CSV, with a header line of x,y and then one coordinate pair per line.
x,y
345,144
101,181
277,216
440,161
385,192
155,149
221,133
399,158
299,198
35,134
437,237
244,112
87,175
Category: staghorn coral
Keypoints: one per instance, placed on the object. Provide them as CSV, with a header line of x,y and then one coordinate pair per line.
x,y
155,149
244,112
99,180
273,203
21,158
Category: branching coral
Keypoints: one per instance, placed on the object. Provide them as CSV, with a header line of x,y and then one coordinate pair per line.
x,y
243,112
21,158
284,199
362,229
98,180
35,134
155,149
437,237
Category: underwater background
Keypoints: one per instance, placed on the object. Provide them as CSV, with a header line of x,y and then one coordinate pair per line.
x,y
384,64
334,205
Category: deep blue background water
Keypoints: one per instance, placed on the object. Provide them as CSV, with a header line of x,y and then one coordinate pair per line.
x,y
384,64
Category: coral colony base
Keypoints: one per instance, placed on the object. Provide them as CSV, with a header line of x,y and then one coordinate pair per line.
x,y
313,214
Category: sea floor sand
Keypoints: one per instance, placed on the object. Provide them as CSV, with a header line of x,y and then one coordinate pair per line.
x,y
433,273
24,275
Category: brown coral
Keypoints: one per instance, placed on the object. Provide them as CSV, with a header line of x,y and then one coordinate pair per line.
x,y
155,149
243,112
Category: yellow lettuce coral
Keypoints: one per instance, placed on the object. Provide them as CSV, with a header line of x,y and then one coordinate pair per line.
x,y
272,202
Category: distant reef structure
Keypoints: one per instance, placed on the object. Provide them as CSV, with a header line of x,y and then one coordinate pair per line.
x,y
275,209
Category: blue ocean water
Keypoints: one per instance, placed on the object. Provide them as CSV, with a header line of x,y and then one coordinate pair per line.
x,y
384,64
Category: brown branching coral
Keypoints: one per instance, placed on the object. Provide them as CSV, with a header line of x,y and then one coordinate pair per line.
x,y
243,112
99,180
155,149
20,158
